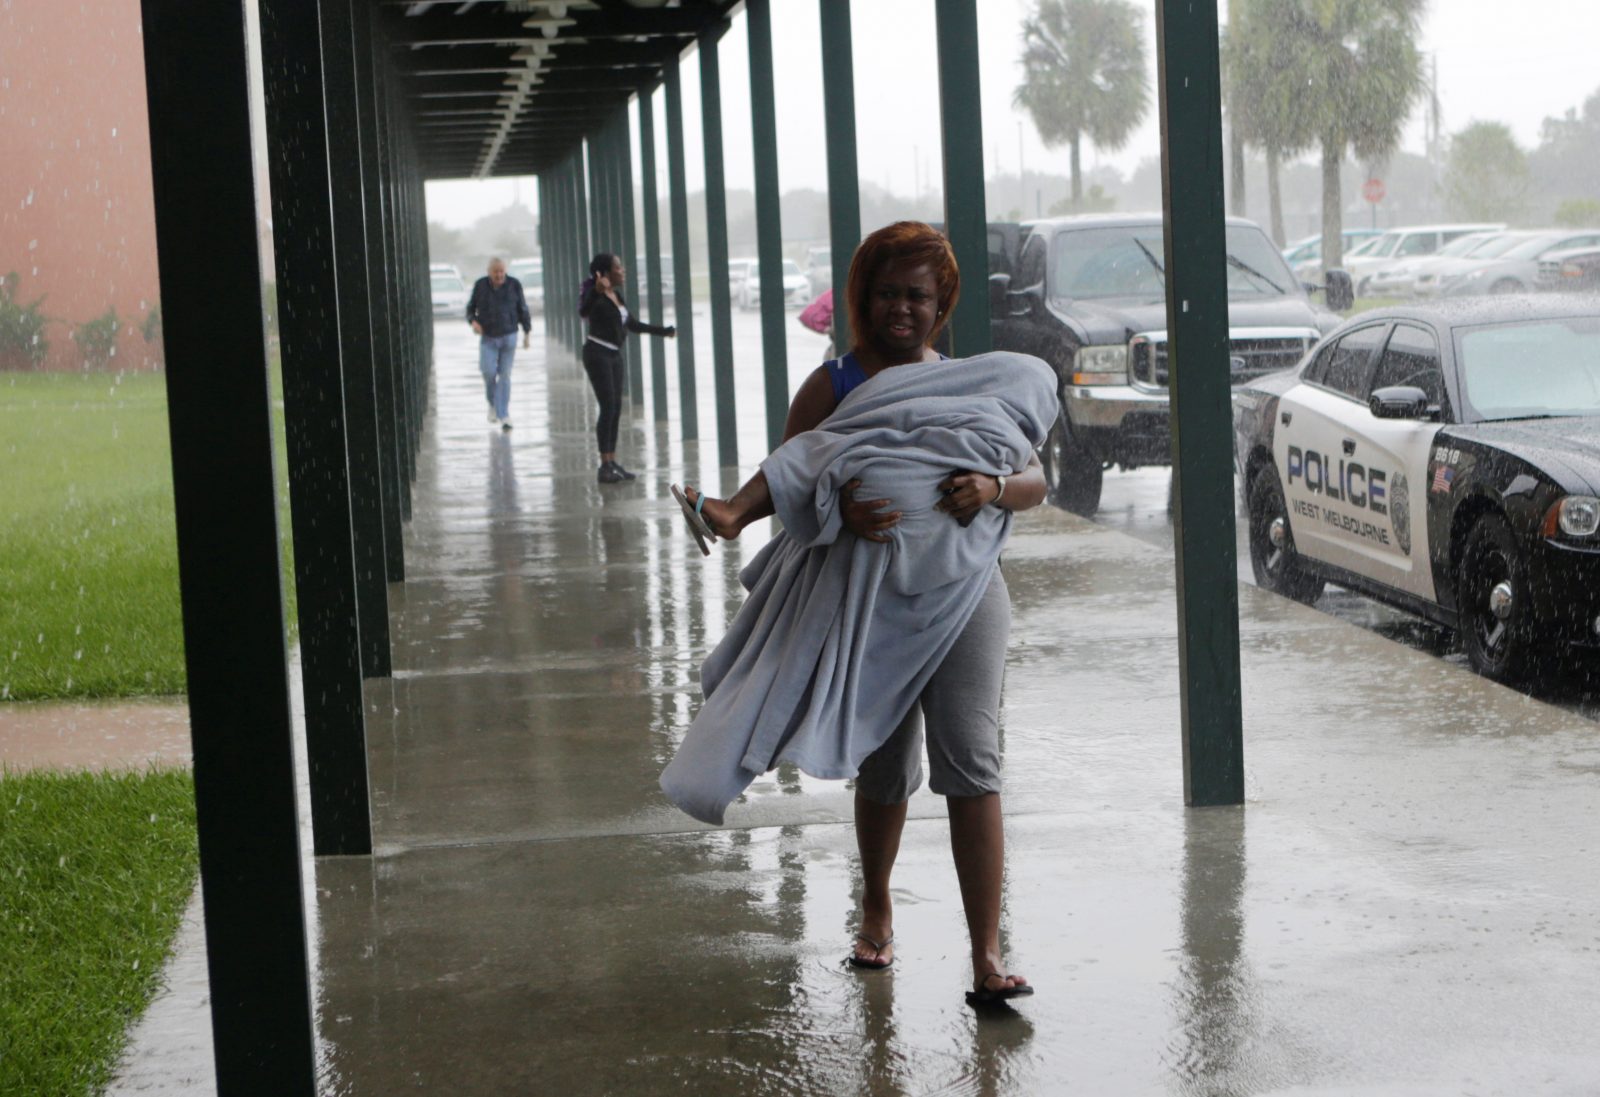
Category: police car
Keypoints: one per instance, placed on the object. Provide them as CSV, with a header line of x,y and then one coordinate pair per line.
x,y
1445,460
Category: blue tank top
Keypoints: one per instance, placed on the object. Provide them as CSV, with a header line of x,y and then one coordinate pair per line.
x,y
845,373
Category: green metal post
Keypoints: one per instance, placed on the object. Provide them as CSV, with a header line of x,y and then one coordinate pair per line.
x,y
652,248
683,291
630,247
1202,440
961,119
717,247
844,188
769,227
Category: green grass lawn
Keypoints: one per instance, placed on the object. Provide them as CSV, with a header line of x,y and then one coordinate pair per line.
x,y
95,870
88,550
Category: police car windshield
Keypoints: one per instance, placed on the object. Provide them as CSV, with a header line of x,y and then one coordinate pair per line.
x,y
1122,261
1530,370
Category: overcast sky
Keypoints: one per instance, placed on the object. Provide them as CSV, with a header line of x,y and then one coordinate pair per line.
x,y
1514,63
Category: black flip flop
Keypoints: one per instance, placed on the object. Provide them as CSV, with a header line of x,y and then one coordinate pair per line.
x,y
703,534
983,996
877,963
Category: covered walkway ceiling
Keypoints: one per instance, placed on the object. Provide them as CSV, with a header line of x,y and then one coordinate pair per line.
x,y
507,87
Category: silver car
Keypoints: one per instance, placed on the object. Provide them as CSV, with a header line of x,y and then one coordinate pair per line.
x,y
1515,270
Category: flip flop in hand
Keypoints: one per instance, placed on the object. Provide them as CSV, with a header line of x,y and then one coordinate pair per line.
x,y
696,521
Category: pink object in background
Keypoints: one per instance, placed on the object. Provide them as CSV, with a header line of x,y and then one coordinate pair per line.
x,y
818,316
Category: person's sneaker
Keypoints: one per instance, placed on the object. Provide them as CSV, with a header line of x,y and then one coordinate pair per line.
x,y
505,424
493,418
610,474
622,473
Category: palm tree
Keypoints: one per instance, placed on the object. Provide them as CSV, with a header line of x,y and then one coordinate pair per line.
x,y
1083,75
1359,73
1265,97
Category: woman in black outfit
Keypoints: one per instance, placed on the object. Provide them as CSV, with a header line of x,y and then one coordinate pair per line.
x,y
601,304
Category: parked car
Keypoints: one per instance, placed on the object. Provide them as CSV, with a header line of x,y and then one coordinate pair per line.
x,y
449,291
739,272
1087,294
530,272
1444,459
796,287
1515,270
1411,277
641,282
1398,245
443,268
1577,269
819,269
1304,255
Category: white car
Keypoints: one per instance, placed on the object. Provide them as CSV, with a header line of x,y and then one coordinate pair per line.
x,y
530,272
450,293
1402,279
1304,255
1399,245
796,286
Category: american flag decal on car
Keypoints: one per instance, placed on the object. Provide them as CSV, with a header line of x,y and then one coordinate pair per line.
x,y
1443,477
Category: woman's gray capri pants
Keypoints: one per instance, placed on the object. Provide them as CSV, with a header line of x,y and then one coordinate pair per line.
x,y
960,707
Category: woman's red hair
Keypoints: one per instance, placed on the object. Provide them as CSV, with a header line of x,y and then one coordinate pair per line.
x,y
908,242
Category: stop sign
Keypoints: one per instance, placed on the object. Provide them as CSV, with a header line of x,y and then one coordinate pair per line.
x,y
1372,190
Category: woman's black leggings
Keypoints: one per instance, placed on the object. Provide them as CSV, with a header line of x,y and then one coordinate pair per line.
x,y
604,368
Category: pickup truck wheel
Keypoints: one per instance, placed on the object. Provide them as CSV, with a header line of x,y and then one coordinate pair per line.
x,y
1073,475
1493,603
1273,559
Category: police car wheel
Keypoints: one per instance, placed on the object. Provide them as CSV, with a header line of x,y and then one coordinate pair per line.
x,y
1492,601
1073,476
1273,559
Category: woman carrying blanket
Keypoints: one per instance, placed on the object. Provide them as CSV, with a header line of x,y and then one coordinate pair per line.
x,y
902,285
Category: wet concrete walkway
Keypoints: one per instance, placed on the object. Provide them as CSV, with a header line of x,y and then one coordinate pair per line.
x,y
1407,904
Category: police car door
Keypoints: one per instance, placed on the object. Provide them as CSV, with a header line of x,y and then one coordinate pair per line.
x,y
1401,449
1329,522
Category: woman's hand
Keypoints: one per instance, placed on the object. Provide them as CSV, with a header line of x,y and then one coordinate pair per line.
x,y
966,493
671,332
602,282
866,518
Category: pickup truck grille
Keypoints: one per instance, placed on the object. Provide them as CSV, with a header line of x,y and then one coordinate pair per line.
x,y
1250,357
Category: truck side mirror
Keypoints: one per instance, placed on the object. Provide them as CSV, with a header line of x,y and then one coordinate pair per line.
x,y
999,286
1023,302
1338,290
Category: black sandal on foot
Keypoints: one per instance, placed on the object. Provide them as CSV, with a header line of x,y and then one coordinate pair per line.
x,y
877,963
703,534
983,996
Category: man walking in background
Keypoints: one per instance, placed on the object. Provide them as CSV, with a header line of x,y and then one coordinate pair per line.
x,y
495,311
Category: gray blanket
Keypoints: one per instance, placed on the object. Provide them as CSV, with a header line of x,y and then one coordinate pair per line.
x,y
839,635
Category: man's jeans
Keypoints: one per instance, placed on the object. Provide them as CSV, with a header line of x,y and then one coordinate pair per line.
x,y
494,362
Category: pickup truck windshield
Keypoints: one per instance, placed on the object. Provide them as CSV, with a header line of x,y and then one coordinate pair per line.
x,y
1532,370
1125,261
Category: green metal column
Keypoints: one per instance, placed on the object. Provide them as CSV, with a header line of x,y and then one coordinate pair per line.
x,y
1202,439
355,338
571,245
584,248
314,427
219,419
717,247
961,120
385,360
652,248
844,187
682,290
630,247
769,226
556,311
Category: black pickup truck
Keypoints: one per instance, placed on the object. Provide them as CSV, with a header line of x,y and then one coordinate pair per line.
x,y
1088,295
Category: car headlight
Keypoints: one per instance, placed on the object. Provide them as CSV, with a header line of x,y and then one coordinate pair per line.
x,y
1100,366
1574,515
